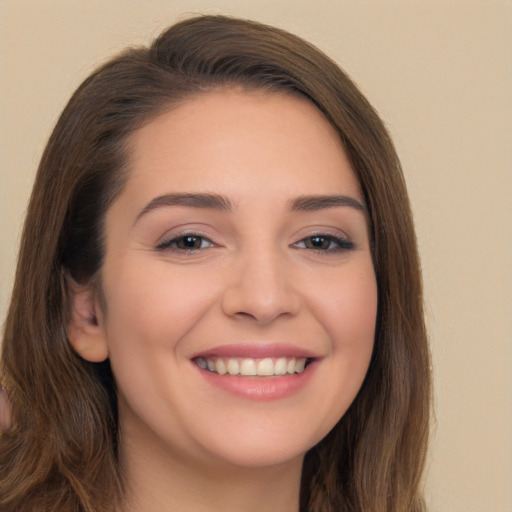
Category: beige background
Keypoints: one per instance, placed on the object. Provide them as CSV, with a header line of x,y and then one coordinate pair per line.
x,y
440,73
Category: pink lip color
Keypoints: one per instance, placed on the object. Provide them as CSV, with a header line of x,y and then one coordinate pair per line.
x,y
253,387
260,388
257,351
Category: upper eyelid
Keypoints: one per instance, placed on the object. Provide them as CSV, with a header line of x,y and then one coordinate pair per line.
x,y
181,232
184,234
331,232
324,235
167,240
341,240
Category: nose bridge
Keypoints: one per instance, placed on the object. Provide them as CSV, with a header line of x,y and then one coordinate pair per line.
x,y
260,286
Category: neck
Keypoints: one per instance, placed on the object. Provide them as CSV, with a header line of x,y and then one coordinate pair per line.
x,y
158,480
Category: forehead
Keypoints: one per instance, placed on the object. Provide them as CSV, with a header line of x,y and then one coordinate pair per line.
x,y
228,137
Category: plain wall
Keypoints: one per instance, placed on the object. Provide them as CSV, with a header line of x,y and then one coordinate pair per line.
x,y
440,74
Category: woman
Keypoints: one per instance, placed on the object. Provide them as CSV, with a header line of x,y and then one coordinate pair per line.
x,y
218,301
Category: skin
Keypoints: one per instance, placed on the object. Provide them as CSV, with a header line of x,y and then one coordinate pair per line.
x,y
256,279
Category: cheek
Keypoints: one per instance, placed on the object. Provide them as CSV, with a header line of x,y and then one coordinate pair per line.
x,y
153,309
348,308
149,315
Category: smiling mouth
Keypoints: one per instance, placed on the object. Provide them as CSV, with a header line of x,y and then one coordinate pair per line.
x,y
249,367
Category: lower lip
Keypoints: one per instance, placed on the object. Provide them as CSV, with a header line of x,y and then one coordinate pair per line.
x,y
260,388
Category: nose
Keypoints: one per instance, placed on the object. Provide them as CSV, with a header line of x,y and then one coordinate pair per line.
x,y
260,288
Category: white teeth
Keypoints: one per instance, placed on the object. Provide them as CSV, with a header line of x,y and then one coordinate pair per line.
x,y
266,367
248,366
233,367
280,366
220,367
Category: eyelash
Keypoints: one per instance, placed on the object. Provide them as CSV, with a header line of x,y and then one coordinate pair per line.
x,y
172,243
340,244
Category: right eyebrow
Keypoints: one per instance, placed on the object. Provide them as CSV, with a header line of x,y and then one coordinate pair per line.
x,y
205,201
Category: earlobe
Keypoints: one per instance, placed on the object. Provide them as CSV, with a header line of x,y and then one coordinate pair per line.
x,y
85,329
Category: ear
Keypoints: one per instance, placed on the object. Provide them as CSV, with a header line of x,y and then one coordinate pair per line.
x,y
86,329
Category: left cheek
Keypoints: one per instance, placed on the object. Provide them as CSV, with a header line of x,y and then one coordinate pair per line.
x,y
350,312
350,320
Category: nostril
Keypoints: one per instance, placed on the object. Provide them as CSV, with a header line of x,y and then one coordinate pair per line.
x,y
245,314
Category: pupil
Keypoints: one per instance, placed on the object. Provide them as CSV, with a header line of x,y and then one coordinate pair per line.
x,y
191,242
319,242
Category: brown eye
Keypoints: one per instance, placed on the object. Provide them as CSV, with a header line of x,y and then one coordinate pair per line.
x,y
325,243
317,242
189,242
186,243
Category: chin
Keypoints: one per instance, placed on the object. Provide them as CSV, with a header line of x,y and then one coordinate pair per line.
x,y
262,445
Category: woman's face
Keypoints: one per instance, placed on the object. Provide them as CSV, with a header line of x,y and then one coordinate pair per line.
x,y
240,244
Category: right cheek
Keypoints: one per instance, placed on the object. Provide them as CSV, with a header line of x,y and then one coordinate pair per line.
x,y
140,320
158,300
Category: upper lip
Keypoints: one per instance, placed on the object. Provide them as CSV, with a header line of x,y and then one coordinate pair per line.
x,y
257,351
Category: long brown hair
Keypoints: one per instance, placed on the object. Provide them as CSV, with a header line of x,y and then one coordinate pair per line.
x,y
63,455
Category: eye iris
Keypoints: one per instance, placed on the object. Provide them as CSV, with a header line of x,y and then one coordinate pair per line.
x,y
318,242
190,242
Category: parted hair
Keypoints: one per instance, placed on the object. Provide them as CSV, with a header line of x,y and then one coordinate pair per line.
x,y
63,455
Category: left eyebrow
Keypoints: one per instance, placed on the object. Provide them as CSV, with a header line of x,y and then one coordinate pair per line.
x,y
321,202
